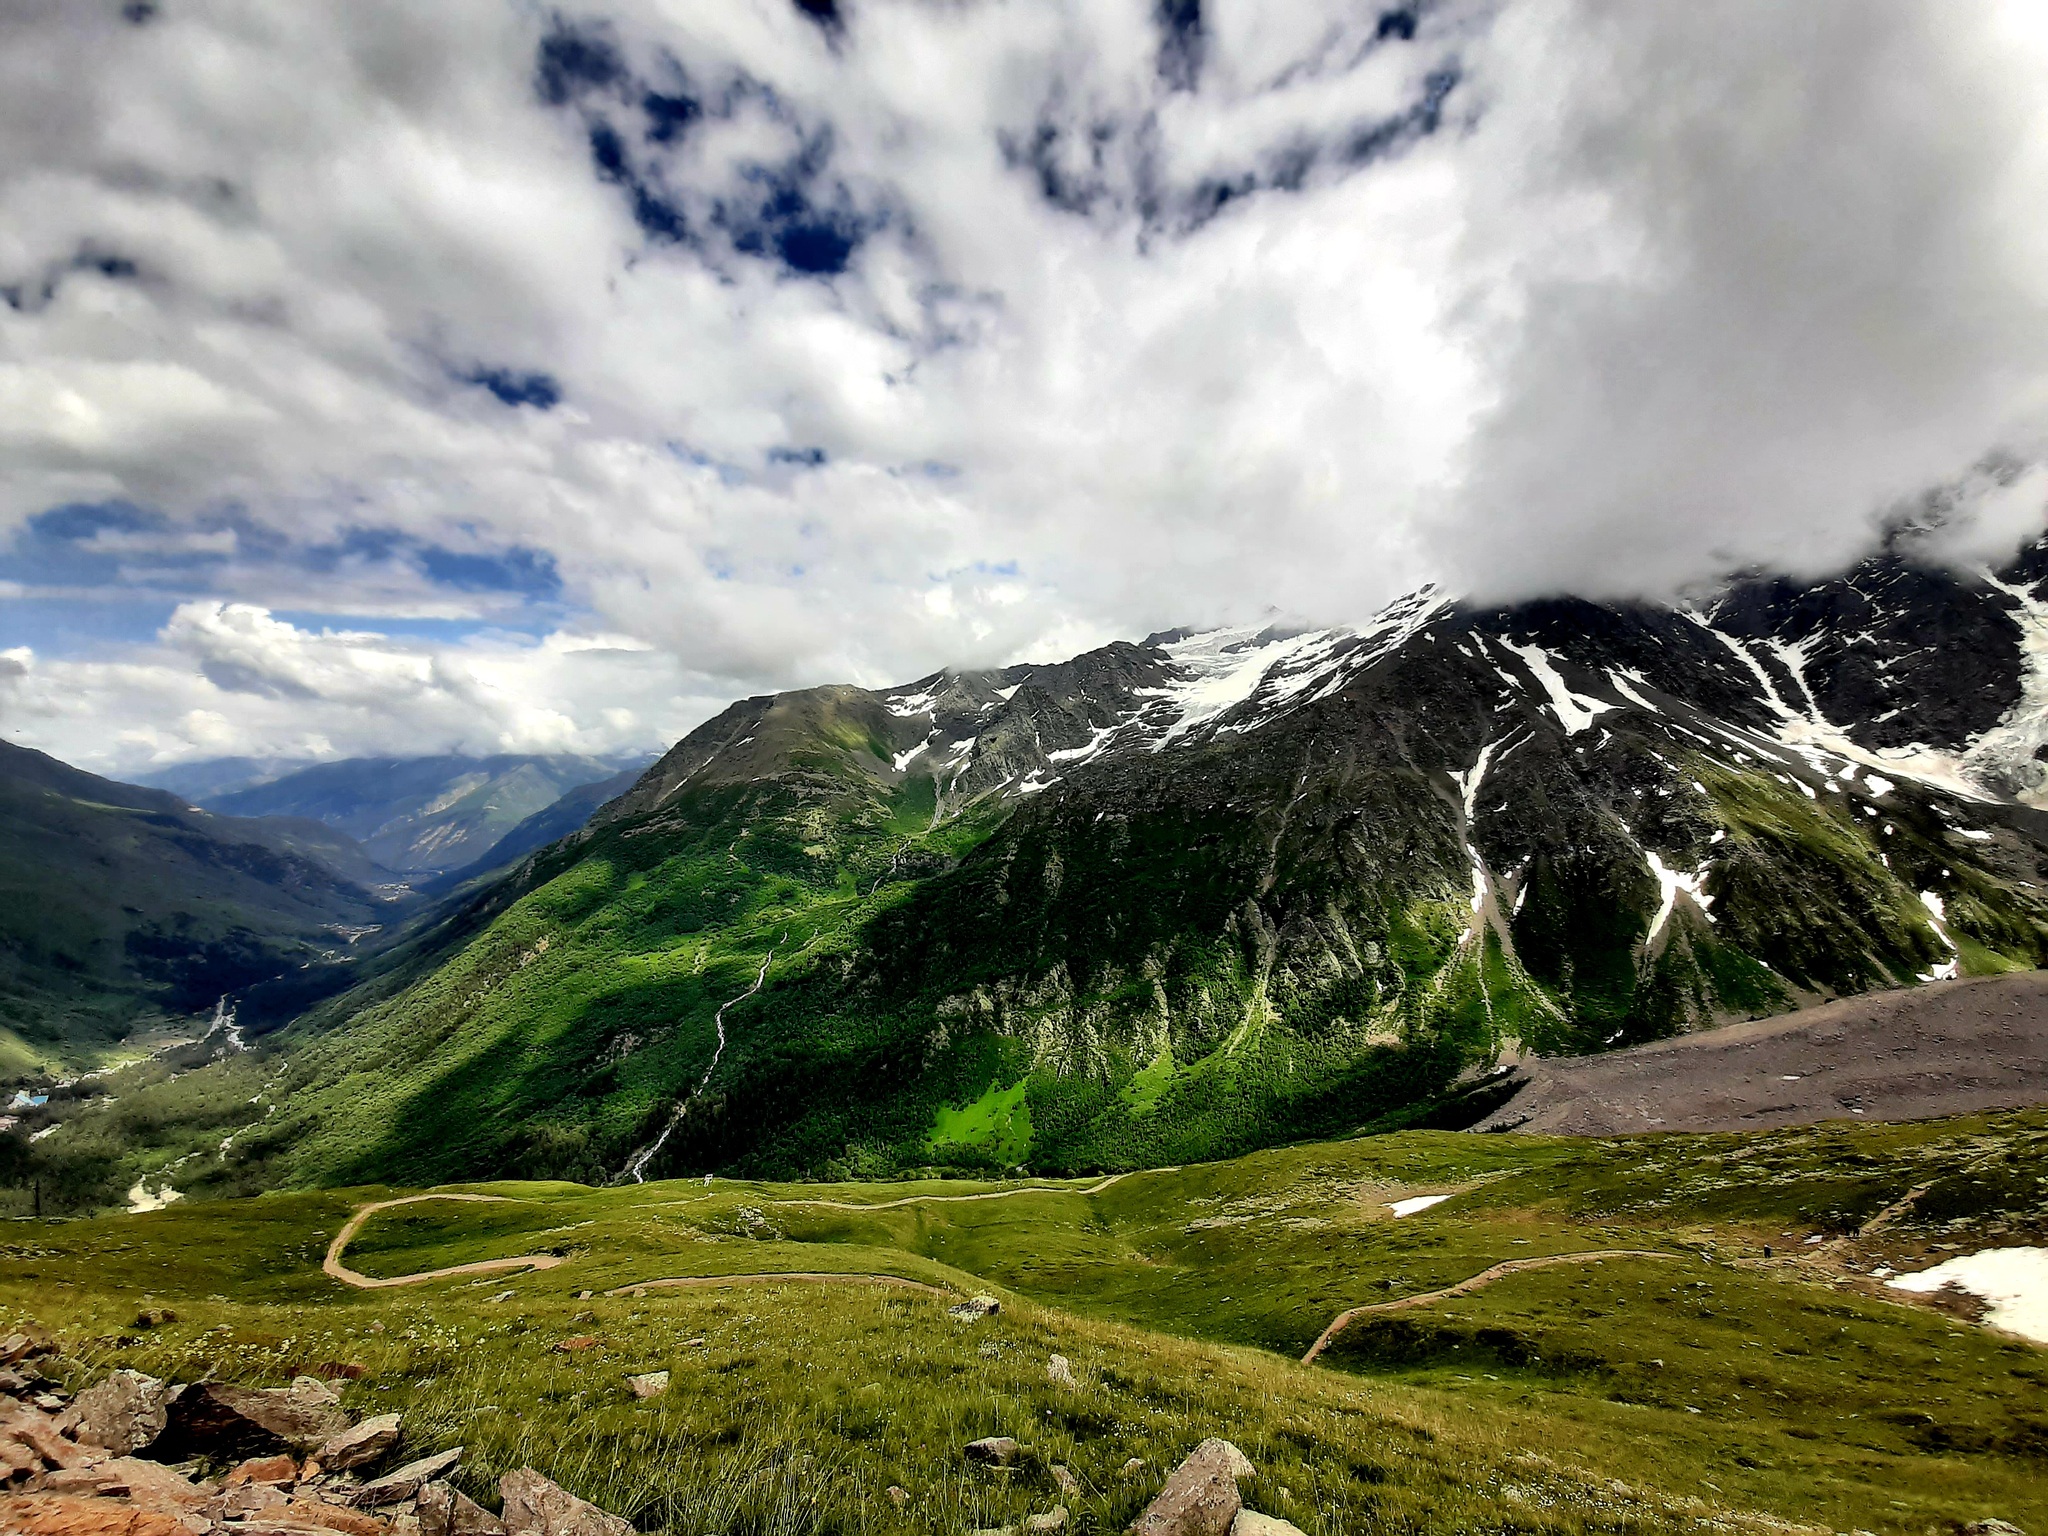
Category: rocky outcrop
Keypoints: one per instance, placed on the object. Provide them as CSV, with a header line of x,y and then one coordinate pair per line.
x,y
535,1506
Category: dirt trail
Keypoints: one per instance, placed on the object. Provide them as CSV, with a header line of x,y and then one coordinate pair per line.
x,y
813,1277
993,1194
333,1266
1484,1278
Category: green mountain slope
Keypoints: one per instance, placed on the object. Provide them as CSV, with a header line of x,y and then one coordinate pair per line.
x,y
121,906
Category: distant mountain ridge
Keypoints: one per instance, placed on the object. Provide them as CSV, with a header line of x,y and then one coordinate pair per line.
x,y
422,815
1176,898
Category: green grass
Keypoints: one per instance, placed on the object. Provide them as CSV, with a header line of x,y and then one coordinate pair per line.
x,y
996,1125
1713,1384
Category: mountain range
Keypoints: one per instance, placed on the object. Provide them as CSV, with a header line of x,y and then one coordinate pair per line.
x,y
423,816
1211,890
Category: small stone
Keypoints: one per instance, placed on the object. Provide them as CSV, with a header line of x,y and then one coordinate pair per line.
x,y
1060,1372
994,1451
1132,1467
1065,1481
647,1384
397,1487
535,1506
1200,1498
1250,1522
49,1402
585,1295
264,1469
361,1445
900,1497
492,1301
975,1308
1047,1524
445,1510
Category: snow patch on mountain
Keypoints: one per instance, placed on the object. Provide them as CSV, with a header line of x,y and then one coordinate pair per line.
x,y
1574,711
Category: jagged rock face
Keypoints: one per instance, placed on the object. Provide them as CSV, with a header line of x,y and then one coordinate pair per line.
x,y
1173,899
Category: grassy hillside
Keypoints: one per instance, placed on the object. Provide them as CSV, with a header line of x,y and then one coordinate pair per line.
x,y
1633,1394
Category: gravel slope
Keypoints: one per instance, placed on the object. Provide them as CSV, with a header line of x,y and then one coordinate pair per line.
x,y
1943,1049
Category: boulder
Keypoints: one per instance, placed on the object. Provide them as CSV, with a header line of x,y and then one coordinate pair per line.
x,y
369,1441
995,1451
1060,1372
318,1513
534,1506
151,1485
397,1487
123,1414
1051,1523
1992,1528
1250,1522
1065,1481
445,1510
898,1495
975,1308
648,1384
219,1421
1200,1498
45,1514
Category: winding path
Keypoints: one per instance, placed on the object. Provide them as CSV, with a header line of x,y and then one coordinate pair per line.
x,y
333,1266
1484,1278
993,1194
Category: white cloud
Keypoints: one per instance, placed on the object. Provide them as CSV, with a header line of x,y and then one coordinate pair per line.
x,y
229,679
1668,289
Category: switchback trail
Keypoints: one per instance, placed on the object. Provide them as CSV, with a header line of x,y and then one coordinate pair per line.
x,y
333,1266
993,1194
1484,1278
636,1165
810,1277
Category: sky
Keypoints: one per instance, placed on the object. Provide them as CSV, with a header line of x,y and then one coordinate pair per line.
x,y
492,376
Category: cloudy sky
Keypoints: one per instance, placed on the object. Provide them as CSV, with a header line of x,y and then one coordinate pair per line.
x,y
486,375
